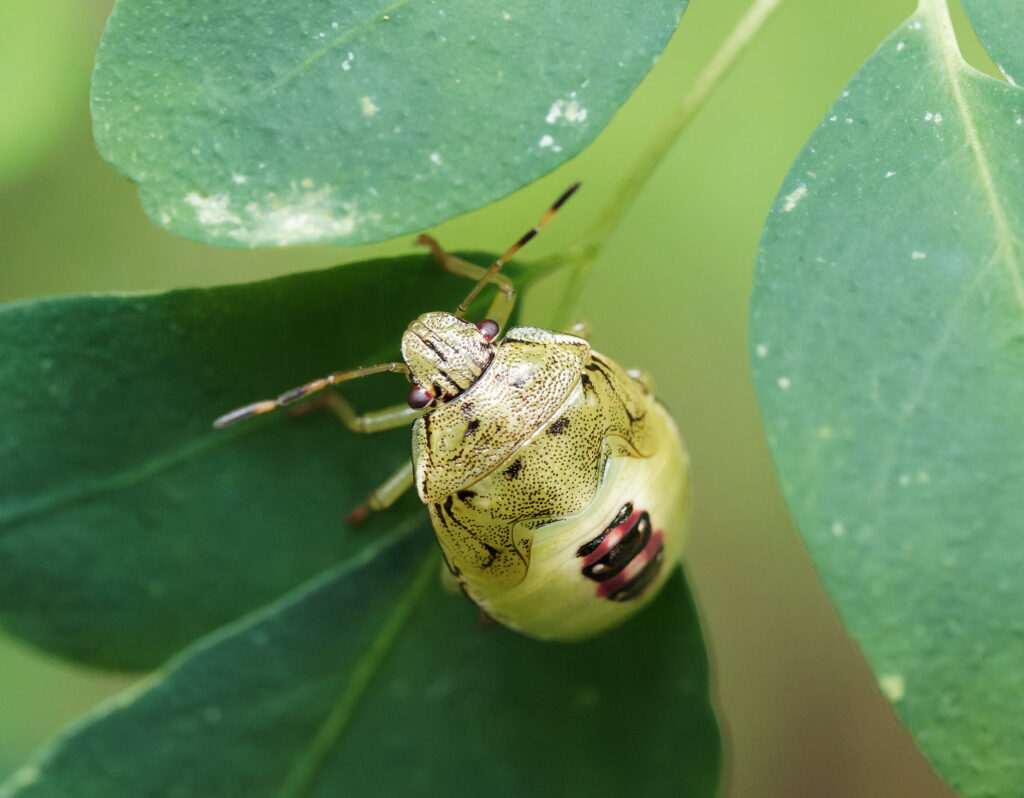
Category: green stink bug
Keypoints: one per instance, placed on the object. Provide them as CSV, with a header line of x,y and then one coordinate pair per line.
x,y
557,485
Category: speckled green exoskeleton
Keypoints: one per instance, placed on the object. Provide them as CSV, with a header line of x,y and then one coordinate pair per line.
x,y
557,485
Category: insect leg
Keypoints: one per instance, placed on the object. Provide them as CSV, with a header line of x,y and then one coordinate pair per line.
x,y
501,306
302,391
384,496
373,421
494,268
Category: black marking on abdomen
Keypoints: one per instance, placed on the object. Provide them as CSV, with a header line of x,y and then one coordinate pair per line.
x,y
513,470
559,426
638,584
623,552
471,427
624,512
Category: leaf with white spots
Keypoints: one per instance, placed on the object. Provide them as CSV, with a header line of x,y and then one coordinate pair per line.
x,y
887,343
264,124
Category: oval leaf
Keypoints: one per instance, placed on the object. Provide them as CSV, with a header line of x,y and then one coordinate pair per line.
x,y
261,124
128,526
370,681
888,348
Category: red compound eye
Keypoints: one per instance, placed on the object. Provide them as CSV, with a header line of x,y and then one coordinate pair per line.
x,y
489,328
419,397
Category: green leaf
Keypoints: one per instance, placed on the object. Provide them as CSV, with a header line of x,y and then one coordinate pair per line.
x,y
1000,25
371,681
259,124
128,526
887,343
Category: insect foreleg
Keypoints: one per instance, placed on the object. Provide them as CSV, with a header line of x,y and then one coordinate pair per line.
x,y
307,389
385,495
503,302
373,421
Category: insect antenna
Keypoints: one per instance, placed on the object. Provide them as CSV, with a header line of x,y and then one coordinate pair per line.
x,y
302,391
496,266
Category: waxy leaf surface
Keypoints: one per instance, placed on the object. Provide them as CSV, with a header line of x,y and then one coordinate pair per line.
x,y
253,124
887,340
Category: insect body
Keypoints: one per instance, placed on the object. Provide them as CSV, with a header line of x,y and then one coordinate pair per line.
x,y
557,485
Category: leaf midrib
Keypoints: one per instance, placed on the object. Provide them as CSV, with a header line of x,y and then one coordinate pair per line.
x,y
944,39
302,777
84,489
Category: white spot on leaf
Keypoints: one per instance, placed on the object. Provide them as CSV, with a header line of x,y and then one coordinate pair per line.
x,y
436,158
915,255
368,106
793,197
762,350
212,211
784,383
569,110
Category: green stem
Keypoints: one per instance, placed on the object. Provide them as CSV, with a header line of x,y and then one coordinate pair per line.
x,y
582,257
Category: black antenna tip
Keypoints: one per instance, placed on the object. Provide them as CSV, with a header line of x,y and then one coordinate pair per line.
x,y
565,196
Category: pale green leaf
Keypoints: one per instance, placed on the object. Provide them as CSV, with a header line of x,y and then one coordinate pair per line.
x,y
266,123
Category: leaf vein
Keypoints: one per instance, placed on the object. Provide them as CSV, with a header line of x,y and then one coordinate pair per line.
x,y
301,779
945,40
316,55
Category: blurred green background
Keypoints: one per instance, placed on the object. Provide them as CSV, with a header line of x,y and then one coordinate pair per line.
x,y
800,710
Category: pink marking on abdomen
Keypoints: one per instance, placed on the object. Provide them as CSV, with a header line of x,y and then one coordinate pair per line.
x,y
631,571
611,540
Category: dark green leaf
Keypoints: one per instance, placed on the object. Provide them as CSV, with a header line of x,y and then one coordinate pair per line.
x,y
371,681
888,349
128,526
267,123
1000,26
